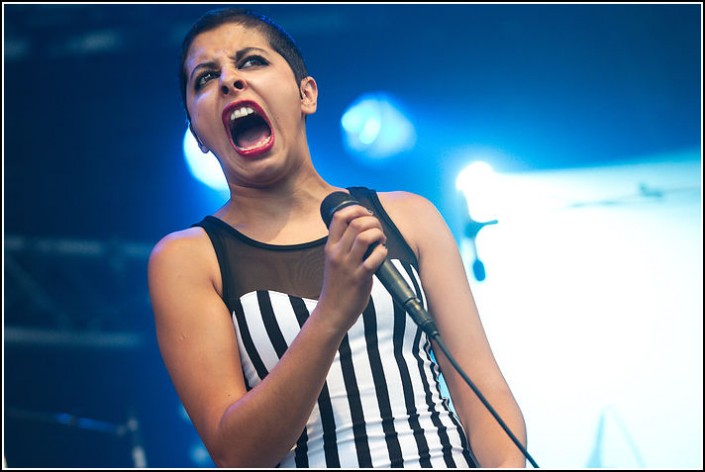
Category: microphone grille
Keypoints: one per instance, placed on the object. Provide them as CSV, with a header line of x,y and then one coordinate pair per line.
x,y
334,202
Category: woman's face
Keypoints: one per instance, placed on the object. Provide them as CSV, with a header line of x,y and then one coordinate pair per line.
x,y
244,102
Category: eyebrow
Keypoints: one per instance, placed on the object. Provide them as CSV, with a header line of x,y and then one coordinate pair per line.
x,y
238,56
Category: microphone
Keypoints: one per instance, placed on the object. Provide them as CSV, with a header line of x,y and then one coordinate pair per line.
x,y
387,273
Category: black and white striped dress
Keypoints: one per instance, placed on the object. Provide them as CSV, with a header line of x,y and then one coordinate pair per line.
x,y
382,404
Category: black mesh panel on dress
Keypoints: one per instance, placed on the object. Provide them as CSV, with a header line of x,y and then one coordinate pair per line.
x,y
248,265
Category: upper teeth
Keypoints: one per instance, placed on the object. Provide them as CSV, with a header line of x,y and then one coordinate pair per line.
x,y
240,112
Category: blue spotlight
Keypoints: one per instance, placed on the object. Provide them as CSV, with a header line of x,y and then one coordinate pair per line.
x,y
204,167
374,127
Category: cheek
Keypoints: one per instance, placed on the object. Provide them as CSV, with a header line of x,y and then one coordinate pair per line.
x,y
288,106
195,105
202,127
197,109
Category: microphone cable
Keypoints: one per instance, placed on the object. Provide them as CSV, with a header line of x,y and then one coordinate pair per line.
x,y
423,319
437,337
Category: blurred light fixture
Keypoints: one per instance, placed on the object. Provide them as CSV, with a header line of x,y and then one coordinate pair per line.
x,y
478,184
374,128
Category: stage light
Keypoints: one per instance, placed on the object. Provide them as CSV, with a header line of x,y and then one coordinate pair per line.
x,y
479,184
204,167
374,128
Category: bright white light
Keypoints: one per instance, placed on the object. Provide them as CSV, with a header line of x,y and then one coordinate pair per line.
x,y
204,167
370,130
480,185
374,127
598,286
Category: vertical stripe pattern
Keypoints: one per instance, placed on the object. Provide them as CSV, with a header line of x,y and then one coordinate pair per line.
x,y
381,404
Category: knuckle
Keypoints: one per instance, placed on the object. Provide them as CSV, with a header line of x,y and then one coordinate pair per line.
x,y
338,216
366,238
357,224
331,254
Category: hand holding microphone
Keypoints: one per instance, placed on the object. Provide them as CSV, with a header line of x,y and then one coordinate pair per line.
x,y
386,272
353,252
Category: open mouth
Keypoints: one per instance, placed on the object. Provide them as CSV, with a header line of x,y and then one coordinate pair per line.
x,y
250,133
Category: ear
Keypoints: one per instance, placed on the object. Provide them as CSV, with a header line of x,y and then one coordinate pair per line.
x,y
201,146
309,95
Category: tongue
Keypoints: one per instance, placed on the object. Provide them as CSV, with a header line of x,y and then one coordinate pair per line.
x,y
249,137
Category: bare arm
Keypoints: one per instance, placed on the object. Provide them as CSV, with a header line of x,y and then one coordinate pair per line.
x,y
453,307
198,342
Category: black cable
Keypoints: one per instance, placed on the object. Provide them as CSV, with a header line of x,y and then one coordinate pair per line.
x,y
436,337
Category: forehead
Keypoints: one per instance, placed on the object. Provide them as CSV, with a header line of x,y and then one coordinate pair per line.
x,y
225,39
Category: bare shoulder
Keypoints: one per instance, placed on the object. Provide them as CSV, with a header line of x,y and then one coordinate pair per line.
x,y
186,253
416,217
401,201
180,244
408,208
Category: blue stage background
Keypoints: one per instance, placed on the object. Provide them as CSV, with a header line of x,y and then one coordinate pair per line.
x,y
94,175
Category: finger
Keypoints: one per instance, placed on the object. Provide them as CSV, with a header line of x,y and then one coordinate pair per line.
x,y
375,259
366,241
342,219
359,235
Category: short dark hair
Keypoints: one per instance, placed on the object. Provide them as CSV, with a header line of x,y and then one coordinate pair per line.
x,y
279,39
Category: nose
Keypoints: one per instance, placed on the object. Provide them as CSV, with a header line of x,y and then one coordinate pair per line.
x,y
231,83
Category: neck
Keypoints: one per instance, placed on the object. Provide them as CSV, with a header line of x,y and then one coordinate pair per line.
x,y
285,214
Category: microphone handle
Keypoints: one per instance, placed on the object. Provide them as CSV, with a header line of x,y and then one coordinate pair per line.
x,y
405,297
